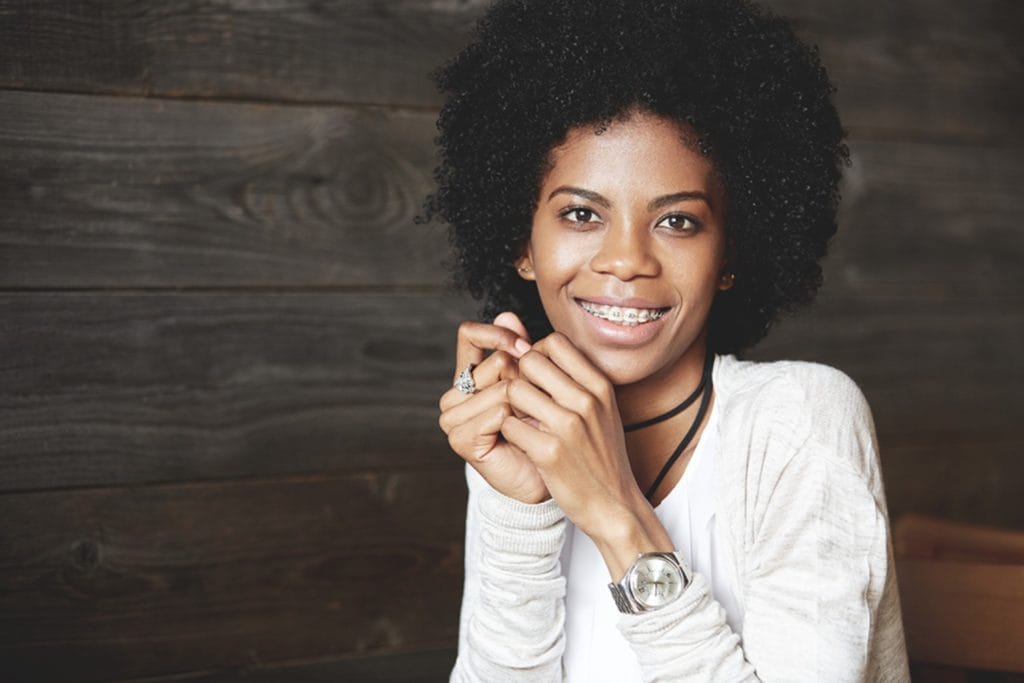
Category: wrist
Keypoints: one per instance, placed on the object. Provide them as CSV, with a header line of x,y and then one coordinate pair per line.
x,y
628,533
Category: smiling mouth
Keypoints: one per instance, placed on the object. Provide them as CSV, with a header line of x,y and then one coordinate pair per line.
x,y
622,315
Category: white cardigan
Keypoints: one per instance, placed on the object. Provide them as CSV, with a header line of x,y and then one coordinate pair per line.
x,y
799,498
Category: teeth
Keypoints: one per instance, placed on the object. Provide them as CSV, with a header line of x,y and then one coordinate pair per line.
x,y
622,315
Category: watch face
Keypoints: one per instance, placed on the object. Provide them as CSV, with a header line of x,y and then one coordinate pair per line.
x,y
656,581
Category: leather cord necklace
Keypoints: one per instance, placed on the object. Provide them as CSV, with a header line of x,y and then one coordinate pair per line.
x,y
703,391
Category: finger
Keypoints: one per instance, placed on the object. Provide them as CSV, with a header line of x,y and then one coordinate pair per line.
x,y
462,408
527,399
476,438
574,363
475,339
496,367
542,372
539,447
511,321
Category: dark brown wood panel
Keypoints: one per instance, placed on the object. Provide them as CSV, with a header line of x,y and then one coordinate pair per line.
x,y
370,51
949,476
926,67
923,220
125,192
114,583
431,666
115,192
921,68
105,389
932,369
163,386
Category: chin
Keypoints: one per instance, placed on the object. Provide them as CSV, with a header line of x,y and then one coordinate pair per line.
x,y
623,370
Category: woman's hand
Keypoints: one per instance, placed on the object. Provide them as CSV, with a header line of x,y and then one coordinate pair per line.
x,y
574,437
473,421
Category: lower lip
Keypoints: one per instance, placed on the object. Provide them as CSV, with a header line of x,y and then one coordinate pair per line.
x,y
622,335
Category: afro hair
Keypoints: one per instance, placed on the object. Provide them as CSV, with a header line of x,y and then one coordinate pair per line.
x,y
757,99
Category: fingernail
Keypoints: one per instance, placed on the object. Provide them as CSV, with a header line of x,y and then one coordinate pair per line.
x,y
521,346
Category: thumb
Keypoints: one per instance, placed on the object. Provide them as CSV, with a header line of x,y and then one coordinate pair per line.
x,y
510,321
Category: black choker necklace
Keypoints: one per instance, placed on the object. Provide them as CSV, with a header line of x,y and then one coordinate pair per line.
x,y
704,390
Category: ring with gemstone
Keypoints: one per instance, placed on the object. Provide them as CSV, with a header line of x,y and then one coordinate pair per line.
x,y
465,382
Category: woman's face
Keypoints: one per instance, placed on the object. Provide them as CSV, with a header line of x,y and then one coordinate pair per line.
x,y
628,246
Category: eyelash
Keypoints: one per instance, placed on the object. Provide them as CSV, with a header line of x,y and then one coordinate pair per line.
x,y
568,215
568,212
694,223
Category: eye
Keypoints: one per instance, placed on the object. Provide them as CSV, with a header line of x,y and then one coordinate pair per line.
x,y
580,214
679,222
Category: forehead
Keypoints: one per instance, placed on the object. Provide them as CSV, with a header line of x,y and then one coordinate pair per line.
x,y
642,153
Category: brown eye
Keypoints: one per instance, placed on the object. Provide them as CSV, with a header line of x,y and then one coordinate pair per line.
x,y
578,214
678,222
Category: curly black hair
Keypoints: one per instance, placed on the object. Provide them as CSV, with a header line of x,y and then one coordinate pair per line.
x,y
756,97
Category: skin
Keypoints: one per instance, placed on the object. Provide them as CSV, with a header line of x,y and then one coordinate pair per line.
x,y
630,216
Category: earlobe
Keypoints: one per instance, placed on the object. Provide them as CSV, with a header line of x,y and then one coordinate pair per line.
x,y
524,266
726,281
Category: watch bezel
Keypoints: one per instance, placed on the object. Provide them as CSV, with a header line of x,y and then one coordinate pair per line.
x,y
637,581
626,591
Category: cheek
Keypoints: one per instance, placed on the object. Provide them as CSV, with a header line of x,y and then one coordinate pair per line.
x,y
559,257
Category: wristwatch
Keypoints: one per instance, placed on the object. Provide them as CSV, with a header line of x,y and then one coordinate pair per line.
x,y
653,581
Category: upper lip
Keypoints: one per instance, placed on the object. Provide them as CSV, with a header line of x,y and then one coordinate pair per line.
x,y
633,302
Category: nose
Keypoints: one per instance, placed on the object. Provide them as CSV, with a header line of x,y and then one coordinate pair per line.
x,y
625,252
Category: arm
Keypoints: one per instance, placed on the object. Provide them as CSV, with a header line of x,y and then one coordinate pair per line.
x,y
513,603
814,565
815,562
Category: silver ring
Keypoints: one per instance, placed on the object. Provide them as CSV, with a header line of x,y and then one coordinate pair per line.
x,y
465,382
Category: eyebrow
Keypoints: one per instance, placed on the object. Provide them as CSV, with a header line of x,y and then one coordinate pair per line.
x,y
656,203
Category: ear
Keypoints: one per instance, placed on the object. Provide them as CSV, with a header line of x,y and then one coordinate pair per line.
x,y
726,272
726,281
524,264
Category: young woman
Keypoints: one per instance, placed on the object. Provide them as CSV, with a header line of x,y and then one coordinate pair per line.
x,y
637,189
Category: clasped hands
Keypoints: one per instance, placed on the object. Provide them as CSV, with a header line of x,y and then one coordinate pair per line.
x,y
544,423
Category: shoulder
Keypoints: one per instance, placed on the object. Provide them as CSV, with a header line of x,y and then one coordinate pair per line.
x,y
778,411
799,384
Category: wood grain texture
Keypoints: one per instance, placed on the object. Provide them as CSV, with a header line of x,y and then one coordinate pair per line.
x,y
925,68
123,192
930,220
168,387
114,583
430,666
963,613
367,51
106,389
113,192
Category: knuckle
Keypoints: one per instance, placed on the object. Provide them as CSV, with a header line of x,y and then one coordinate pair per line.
x,y
558,340
572,422
588,405
446,401
466,329
502,360
549,452
513,388
455,439
529,360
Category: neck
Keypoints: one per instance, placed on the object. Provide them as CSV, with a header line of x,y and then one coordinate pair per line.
x,y
663,390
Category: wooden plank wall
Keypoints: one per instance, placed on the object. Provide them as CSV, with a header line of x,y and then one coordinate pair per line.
x,y
222,337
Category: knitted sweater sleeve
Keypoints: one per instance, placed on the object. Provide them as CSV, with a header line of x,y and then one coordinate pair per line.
x,y
817,582
513,605
805,512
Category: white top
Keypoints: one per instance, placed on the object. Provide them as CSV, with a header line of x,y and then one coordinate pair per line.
x,y
799,512
595,649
